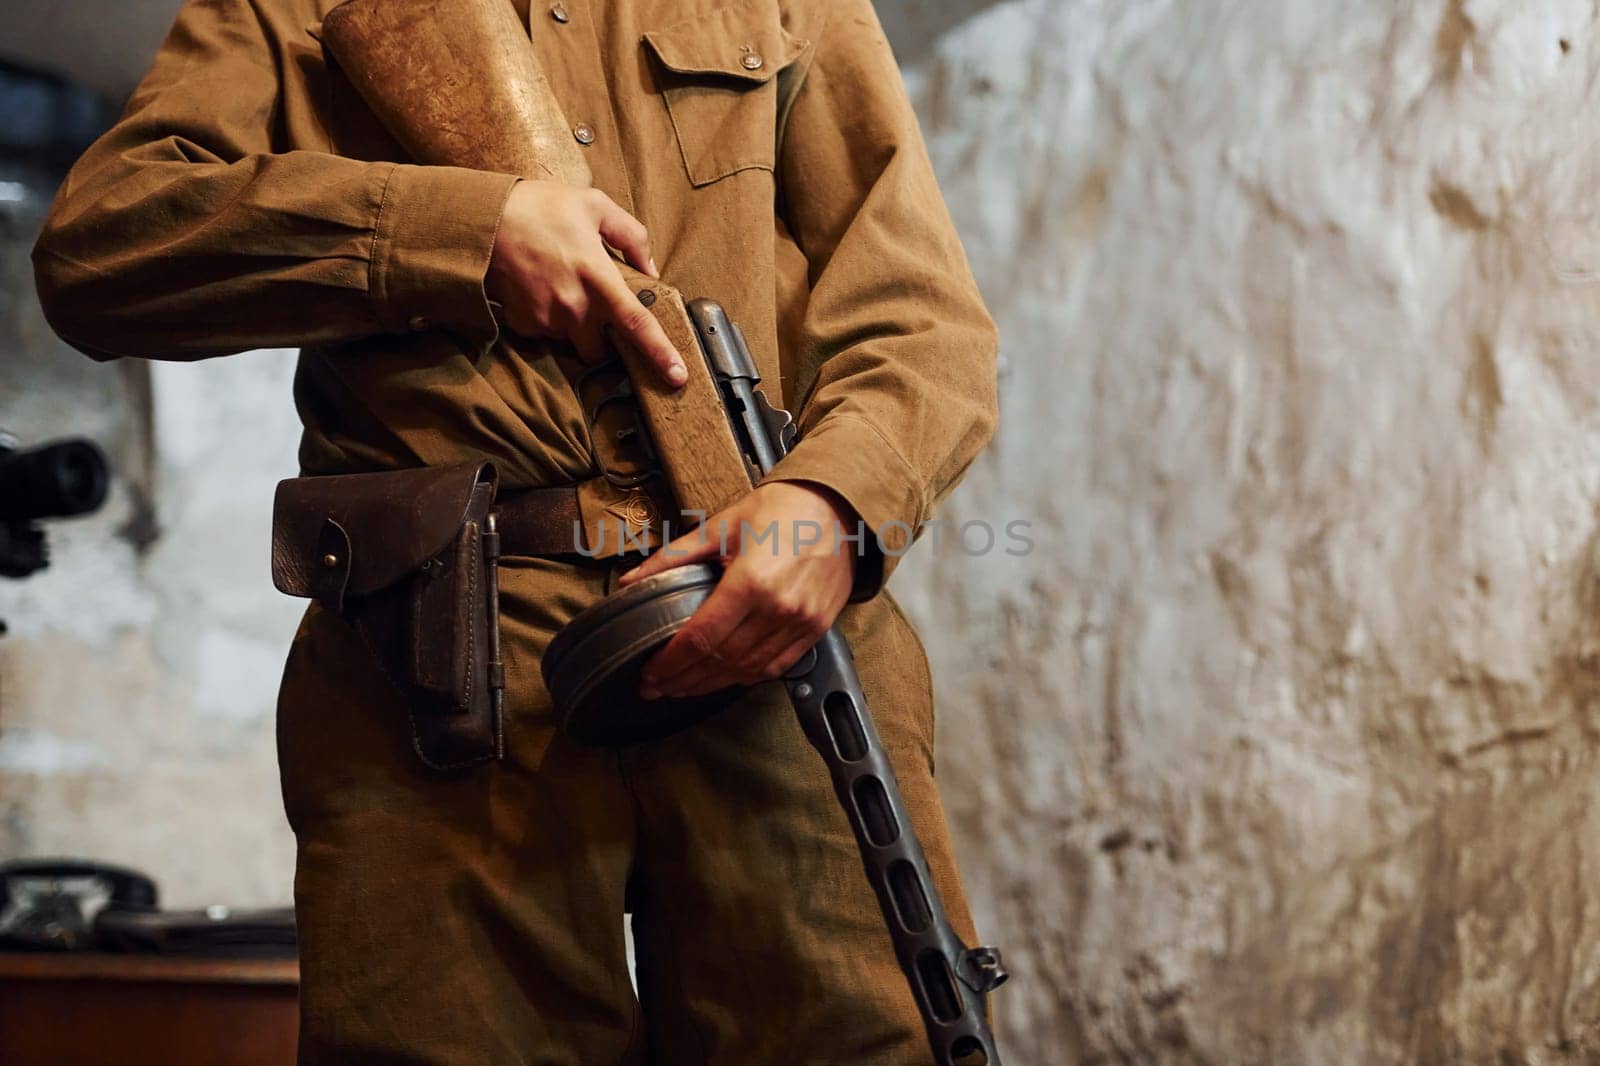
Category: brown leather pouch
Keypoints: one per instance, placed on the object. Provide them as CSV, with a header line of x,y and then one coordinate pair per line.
x,y
409,557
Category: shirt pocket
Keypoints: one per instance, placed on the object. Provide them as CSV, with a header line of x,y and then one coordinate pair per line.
x,y
717,75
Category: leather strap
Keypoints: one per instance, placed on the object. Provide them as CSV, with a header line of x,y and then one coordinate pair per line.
x,y
543,521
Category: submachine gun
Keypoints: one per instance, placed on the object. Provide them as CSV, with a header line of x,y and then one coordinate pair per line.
x,y
456,83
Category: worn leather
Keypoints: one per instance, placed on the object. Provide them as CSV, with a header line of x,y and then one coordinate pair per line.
x,y
593,518
407,558
394,520
539,522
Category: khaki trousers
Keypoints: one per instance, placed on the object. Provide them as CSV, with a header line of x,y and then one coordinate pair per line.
x,y
477,918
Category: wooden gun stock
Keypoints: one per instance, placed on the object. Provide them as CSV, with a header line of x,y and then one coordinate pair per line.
x,y
457,84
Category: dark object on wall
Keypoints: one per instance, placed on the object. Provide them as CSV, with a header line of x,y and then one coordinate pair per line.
x,y
45,124
53,904
47,120
60,480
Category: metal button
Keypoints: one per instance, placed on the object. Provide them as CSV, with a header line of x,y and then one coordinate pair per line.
x,y
750,61
418,322
558,11
584,133
330,560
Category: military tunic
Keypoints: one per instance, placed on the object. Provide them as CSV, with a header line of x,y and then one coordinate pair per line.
x,y
248,199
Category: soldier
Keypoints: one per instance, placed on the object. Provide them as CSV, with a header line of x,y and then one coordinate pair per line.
x,y
764,152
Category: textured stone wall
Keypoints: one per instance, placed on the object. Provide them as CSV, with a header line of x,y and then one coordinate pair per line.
x,y
138,679
1279,747
1282,746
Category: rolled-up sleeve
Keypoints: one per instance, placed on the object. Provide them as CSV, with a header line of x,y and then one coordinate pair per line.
x,y
904,397
193,228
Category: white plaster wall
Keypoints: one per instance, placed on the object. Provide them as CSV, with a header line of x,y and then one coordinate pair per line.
x,y
137,689
1281,748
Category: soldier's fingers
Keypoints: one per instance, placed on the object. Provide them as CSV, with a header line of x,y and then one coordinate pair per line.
x,y
728,667
701,639
626,234
733,663
693,547
710,676
639,327
760,663
779,664
708,679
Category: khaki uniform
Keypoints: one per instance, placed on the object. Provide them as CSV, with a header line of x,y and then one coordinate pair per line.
x,y
248,199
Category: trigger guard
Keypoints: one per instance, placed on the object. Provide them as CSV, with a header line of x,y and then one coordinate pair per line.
x,y
621,393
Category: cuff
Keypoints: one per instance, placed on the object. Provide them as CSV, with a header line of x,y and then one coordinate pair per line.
x,y
847,454
430,250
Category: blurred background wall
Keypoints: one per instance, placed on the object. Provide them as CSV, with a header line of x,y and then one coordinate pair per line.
x,y
138,679
1281,746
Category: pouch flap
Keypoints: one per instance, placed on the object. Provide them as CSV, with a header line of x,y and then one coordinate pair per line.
x,y
388,523
744,41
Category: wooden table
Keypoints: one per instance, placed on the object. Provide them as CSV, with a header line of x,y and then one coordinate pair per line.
x,y
146,1010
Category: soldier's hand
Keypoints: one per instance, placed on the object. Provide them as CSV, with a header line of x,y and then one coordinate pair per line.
x,y
552,275
779,593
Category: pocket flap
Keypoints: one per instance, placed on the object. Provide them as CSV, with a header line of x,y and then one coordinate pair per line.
x,y
391,522
744,41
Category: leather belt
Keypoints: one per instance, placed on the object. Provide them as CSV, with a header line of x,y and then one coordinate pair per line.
x,y
546,521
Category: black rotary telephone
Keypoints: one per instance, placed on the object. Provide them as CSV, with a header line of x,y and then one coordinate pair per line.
x,y
52,904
